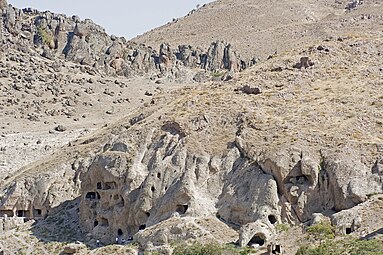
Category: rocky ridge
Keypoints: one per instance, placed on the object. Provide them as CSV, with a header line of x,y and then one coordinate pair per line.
x,y
55,36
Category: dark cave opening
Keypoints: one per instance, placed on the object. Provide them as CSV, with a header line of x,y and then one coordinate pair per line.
x,y
258,239
272,219
182,209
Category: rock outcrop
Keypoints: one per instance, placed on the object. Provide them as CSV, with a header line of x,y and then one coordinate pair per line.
x,y
83,42
3,4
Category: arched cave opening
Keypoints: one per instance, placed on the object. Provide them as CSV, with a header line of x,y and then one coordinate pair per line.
x,y
104,222
92,195
153,189
147,214
348,231
272,219
258,239
142,227
159,175
95,224
119,232
182,209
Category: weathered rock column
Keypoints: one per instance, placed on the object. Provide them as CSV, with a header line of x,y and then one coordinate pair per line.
x,y
3,4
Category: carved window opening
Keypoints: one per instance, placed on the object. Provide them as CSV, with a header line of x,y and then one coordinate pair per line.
x,y
92,195
272,219
23,213
104,222
37,212
182,209
257,240
121,203
277,249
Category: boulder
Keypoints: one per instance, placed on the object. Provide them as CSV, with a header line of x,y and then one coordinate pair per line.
x,y
70,249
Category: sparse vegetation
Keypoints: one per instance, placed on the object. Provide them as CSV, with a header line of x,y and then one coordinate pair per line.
x,y
217,74
46,37
321,232
211,249
282,227
350,246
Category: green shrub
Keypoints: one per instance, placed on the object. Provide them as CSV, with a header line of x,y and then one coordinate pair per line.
x,y
349,246
321,231
282,227
46,37
211,249
198,249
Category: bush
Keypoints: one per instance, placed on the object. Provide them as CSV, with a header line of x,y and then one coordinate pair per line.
x,y
46,37
349,246
211,249
282,227
321,231
198,249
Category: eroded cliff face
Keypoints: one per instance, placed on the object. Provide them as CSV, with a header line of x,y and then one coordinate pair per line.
x,y
124,193
251,160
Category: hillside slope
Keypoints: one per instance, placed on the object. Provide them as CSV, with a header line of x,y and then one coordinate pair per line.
x,y
259,28
291,141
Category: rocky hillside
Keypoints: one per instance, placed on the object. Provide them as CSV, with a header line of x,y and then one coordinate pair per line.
x,y
291,141
261,28
56,36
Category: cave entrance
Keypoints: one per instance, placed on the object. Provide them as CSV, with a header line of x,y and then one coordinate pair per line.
x,y
92,195
119,232
23,213
95,224
99,185
276,249
182,209
37,212
258,239
142,227
348,231
104,222
272,219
